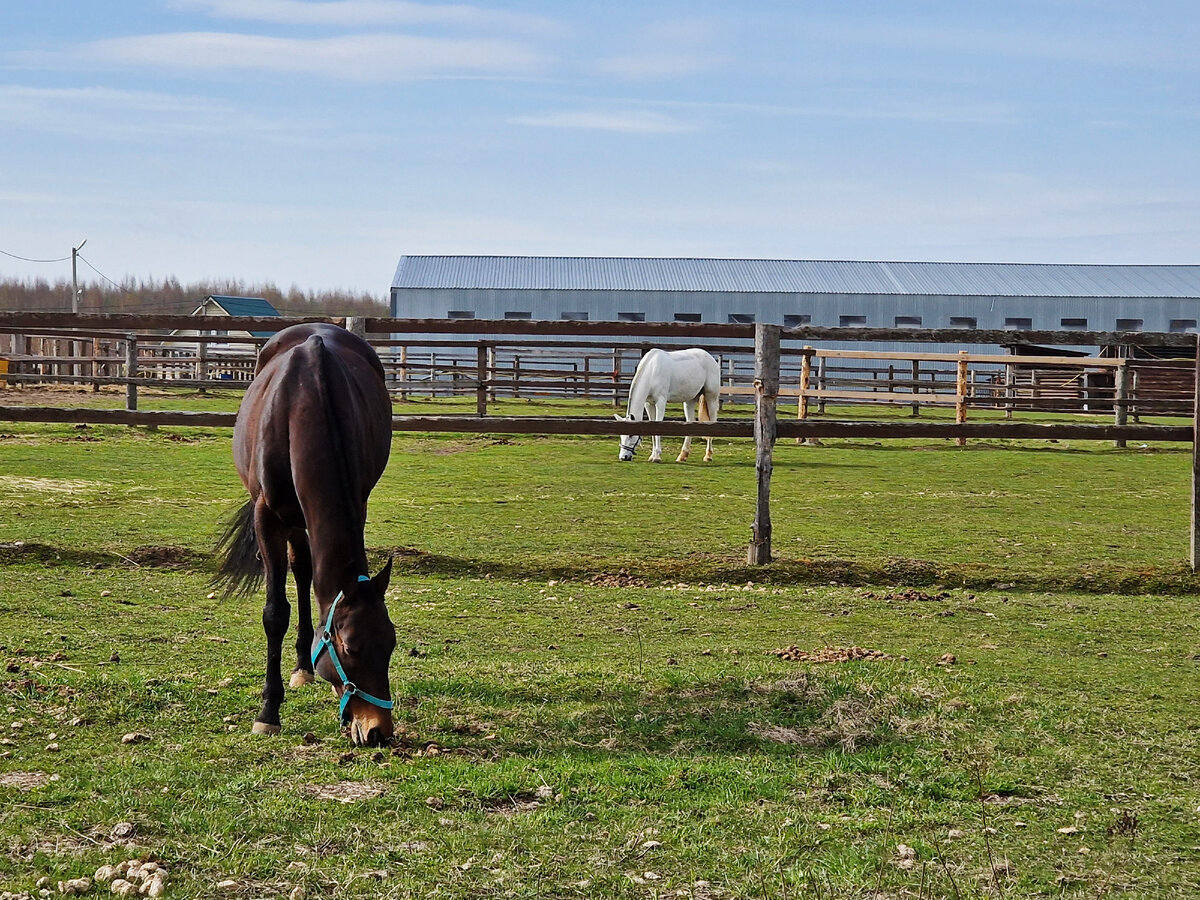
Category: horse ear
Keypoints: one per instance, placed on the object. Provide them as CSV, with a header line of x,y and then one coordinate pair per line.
x,y
381,580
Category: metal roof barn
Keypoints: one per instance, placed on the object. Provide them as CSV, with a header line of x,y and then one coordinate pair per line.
x,y
1015,296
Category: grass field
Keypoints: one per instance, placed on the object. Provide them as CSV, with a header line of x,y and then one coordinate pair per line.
x,y
587,697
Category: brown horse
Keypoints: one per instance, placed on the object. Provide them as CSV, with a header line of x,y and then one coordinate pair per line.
x,y
312,438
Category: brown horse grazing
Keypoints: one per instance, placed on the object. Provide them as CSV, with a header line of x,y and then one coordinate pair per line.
x,y
312,438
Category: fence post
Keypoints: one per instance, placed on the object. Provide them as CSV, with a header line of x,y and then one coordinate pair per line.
x,y
616,376
960,395
766,394
516,377
357,325
916,388
202,361
805,378
1195,537
481,378
95,365
1121,398
404,373
822,382
131,372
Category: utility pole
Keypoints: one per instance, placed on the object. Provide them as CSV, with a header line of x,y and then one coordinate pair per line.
x,y
75,277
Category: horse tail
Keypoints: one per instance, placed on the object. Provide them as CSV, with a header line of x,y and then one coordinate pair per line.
x,y
704,414
239,570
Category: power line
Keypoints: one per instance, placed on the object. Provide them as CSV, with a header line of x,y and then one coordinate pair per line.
x,y
27,259
98,272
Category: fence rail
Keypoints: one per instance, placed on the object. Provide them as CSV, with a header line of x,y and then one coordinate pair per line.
x,y
1013,382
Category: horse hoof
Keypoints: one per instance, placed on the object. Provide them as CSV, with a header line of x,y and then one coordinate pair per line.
x,y
264,728
300,678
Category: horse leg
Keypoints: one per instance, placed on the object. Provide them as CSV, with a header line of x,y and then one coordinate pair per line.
x,y
272,546
659,413
688,416
708,410
302,571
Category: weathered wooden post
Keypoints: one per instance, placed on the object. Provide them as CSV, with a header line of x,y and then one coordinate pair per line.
x,y
1195,541
357,325
822,382
916,386
1121,398
960,395
95,365
481,379
131,372
516,377
766,395
202,361
805,378
404,373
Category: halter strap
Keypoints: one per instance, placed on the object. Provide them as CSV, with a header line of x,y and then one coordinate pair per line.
x,y
349,688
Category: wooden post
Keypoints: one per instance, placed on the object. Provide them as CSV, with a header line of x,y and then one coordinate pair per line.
x,y
1010,380
1121,398
587,377
95,365
916,388
516,377
202,362
357,325
481,378
805,377
131,371
404,373
1195,542
960,395
822,382
766,394
491,367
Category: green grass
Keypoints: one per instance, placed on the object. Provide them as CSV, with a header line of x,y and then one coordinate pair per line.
x,y
585,690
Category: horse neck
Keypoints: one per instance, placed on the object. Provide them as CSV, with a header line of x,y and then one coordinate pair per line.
x,y
339,556
639,393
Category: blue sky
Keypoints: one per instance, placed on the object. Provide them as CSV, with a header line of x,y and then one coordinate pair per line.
x,y
314,143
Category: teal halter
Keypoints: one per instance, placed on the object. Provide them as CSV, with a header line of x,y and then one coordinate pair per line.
x,y
349,688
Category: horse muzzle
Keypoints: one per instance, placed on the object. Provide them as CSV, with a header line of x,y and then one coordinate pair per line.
x,y
371,727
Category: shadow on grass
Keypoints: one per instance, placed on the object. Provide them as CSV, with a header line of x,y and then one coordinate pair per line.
x,y
900,571
847,712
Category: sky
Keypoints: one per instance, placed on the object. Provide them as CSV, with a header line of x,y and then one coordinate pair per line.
x,y
315,143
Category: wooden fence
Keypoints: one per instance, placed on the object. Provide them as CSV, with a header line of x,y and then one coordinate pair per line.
x,y
766,385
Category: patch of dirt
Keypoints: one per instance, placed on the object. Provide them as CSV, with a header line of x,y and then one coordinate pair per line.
x,y
910,595
621,578
828,654
165,558
49,485
344,791
24,781
849,724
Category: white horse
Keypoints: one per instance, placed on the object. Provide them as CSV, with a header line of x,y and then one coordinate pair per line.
x,y
664,377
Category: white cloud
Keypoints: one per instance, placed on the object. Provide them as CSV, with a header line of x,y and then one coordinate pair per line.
x,y
655,65
632,122
107,112
666,50
363,57
359,13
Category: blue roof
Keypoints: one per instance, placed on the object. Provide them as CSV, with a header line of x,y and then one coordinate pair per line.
x,y
246,306
795,276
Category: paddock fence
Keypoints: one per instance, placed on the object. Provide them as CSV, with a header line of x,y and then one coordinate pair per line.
x,y
513,358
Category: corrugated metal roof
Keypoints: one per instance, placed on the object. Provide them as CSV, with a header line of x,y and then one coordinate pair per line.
x,y
795,276
244,306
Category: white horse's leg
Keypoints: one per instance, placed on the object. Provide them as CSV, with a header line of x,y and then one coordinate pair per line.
x,y
688,416
660,413
709,402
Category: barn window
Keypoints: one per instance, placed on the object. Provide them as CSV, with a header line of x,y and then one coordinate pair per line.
x,y
631,317
575,316
687,317
1129,324
797,320
852,321
964,322
908,321
1183,326
518,315
1074,324
460,314
741,318
1016,323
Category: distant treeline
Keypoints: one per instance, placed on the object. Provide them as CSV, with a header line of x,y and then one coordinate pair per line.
x,y
169,296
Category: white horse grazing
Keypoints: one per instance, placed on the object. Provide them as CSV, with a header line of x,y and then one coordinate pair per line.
x,y
664,377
